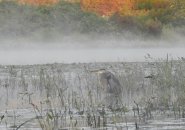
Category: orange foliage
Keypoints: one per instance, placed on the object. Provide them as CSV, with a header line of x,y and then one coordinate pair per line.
x,y
129,9
109,7
38,2
103,7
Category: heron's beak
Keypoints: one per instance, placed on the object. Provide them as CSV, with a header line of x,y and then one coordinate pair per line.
x,y
99,71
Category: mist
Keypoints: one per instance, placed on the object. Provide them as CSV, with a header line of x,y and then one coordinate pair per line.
x,y
28,54
85,49
66,34
89,50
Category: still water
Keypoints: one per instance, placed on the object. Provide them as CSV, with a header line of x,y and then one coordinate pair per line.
x,y
54,55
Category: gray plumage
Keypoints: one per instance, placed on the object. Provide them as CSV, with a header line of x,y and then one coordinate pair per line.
x,y
110,82
111,85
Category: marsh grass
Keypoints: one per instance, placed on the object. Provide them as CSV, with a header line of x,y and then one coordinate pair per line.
x,y
69,96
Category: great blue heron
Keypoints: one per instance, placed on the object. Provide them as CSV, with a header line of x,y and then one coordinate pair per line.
x,y
111,85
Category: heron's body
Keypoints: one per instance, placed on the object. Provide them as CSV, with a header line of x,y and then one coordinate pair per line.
x,y
111,85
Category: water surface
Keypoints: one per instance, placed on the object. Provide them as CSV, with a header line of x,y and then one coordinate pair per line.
x,y
85,55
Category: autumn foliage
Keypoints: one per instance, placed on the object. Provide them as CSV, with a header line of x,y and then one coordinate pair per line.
x,y
69,17
124,7
38,2
109,7
102,7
